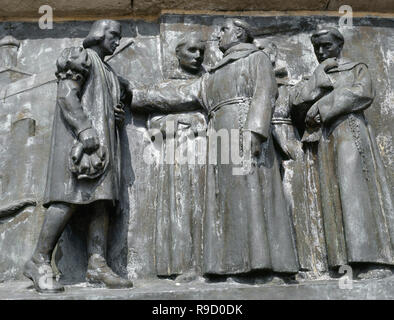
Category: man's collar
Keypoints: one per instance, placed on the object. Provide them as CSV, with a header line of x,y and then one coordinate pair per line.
x,y
344,64
234,53
240,47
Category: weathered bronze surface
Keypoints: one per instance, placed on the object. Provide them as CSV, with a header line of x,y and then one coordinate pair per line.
x,y
196,149
246,224
356,201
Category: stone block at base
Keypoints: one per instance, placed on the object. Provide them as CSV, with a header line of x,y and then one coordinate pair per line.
x,y
169,290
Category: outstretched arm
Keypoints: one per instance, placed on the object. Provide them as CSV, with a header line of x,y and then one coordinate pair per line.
x,y
168,97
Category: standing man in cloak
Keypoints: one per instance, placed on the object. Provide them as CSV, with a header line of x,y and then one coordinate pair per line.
x,y
83,170
358,213
246,225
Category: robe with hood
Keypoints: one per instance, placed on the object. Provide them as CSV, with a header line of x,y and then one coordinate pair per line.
x,y
356,202
246,223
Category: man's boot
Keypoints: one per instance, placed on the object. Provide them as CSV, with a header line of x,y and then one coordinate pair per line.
x,y
100,273
38,268
42,276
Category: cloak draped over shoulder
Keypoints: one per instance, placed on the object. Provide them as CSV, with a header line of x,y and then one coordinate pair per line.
x,y
94,108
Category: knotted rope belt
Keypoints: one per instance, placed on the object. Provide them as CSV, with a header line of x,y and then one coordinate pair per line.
x,y
227,102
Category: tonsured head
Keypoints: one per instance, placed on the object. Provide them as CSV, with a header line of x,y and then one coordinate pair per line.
x,y
234,31
327,43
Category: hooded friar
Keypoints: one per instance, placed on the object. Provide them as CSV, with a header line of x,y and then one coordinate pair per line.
x,y
357,207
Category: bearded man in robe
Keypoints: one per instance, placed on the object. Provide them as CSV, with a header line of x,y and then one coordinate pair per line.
x,y
247,227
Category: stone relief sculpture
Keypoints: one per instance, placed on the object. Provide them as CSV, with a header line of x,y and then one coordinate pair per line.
x,y
84,159
357,207
246,226
260,178
180,195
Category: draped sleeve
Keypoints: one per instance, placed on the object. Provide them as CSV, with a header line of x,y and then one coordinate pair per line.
x,y
265,92
73,68
312,89
354,97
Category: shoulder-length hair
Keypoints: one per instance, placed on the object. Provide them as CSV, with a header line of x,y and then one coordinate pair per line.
x,y
97,32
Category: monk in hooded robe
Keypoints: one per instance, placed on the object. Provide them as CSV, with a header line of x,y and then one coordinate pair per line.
x,y
246,224
357,207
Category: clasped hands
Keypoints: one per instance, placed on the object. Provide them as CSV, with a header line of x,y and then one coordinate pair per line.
x,y
313,118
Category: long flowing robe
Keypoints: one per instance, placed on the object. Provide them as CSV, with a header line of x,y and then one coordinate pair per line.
x,y
180,196
94,108
357,207
300,183
246,223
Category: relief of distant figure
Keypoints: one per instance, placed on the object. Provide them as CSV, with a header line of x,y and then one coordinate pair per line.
x,y
356,202
180,185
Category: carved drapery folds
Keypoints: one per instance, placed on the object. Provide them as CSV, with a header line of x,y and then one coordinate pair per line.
x,y
317,195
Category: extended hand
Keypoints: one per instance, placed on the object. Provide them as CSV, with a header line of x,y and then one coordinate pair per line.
x,y
89,140
313,117
256,142
119,114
